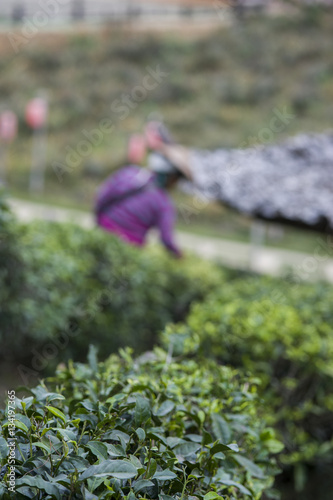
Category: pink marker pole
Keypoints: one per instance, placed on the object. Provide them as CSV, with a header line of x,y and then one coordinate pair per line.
x,y
36,117
8,132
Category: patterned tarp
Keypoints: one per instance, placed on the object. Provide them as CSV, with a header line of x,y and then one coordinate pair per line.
x,y
291,181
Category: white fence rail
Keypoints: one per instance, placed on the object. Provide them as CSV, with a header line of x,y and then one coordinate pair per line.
x,y
71,10
59,11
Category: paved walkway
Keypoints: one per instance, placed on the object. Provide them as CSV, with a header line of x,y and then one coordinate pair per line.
x,y
239,255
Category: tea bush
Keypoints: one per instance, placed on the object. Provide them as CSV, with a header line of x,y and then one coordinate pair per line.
x,y
11,274
144,428
282,332
70,279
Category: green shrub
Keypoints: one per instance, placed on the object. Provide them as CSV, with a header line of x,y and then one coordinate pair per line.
x,y
282,332
42,60
135,50
144,428
11,274
91,283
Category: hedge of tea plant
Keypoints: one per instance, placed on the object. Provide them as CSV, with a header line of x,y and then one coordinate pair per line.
x,y
282,332
60,279
137,428
11,273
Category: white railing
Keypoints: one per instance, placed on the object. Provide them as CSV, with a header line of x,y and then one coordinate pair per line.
x,y
91,10
69,10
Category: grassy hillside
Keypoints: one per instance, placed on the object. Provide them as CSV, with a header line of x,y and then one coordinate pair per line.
x,y
216,90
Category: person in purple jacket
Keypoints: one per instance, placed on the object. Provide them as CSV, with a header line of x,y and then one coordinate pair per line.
x,y
134,200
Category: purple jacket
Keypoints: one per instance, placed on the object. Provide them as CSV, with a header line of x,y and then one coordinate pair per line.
x,y
132,216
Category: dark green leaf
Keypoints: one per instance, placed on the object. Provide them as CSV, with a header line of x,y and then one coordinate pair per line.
x,y
196,438
142,410
241,488
212,495
113,468
94,482
142,483
224,448
165,408
140,433
250,466
221,428
152,469
99,449
207,438
40,484
57,413
3,448
186,449
164,475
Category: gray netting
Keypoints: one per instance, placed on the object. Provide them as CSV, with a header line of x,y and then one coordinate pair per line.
x,y
292,181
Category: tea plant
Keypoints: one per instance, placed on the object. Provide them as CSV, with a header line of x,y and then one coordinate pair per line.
x,y
141,428
61,276
282,332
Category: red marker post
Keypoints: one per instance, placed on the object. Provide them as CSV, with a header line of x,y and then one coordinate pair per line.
x,y
8,132
36,117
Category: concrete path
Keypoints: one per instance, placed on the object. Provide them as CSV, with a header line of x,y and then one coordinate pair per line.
x,y
234,254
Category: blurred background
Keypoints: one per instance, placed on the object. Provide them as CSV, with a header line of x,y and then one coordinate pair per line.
x,y
78,77
223,67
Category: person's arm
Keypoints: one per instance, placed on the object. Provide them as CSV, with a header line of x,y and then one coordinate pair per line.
x,y
178,156
166,226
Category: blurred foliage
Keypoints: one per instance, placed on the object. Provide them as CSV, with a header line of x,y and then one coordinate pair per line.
x,y
281,331
11,275
74,286
221,88
64,287
140,428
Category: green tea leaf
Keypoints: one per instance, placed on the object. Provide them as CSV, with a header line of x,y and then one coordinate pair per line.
x,y
186,449
57,413
114,468
274,446
21,426
164,475
250,466
94,482
142,483
140,433
142,410
221,428
3,448
99,449
152,468
212,496
194,437
165,408
52,396
241,488
115,450
53,489
25,420
224,448
88,495
45,447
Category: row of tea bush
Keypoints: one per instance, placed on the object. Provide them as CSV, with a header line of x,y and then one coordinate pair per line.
x,y
275,334
280,331
63,287
147,427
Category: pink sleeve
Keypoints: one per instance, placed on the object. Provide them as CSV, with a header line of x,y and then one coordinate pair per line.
x,y
166,226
